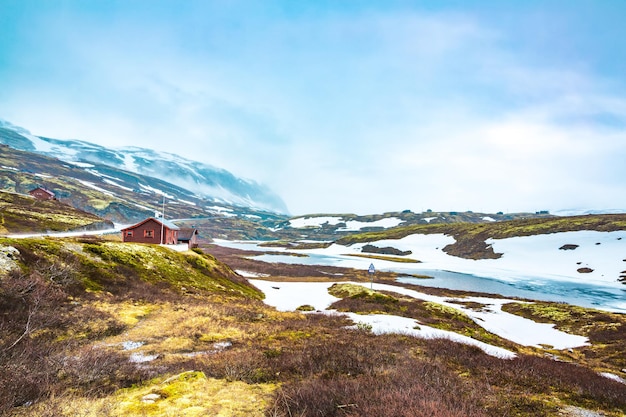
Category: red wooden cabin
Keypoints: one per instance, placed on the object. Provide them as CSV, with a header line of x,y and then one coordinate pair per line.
x,y
41,193
149,231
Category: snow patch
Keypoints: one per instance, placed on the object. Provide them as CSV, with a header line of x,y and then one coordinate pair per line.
x,y
383,323
139,357
287,296
95,187
355,225
219,208
82,164
351,225
191,203
156,191
142,207
115,184
313,221
129,163
613,377
248,274
130,345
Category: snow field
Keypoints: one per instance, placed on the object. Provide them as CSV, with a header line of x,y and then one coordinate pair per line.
x,y
351,225
523,257
287,296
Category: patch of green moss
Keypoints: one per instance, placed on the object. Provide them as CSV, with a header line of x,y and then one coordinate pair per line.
x,y
191,393
384,258
446,311
357,291
565,316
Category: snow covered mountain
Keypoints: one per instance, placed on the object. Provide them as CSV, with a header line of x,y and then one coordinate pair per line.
x,y
202,179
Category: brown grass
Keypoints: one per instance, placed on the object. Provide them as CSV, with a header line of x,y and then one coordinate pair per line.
x,y
60,351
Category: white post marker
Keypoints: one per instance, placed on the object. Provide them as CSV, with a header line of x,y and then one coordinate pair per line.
x,y
371,270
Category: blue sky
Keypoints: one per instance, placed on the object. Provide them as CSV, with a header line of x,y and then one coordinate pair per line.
x,y
340,106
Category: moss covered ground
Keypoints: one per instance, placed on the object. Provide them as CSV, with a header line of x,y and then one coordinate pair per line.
x,y
22,214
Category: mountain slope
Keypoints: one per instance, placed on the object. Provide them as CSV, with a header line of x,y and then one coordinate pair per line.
x,y
21,213
206,181
125,197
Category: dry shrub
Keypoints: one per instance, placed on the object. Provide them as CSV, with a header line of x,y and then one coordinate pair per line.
x,y
97,371
36,317
609,334
235,365
416,388
537,375
354,354
363,375
26,375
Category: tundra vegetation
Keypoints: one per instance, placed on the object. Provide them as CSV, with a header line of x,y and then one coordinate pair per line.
x,y
23,214
92,327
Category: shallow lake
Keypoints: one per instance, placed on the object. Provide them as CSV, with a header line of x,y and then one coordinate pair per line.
x,y
537,288
581,294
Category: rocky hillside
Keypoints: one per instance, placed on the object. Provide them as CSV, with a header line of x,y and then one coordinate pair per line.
x,y
204,181
125,197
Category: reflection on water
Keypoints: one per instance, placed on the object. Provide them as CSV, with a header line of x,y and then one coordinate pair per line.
x,y
536,288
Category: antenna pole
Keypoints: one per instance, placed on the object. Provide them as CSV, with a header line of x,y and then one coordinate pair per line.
x,y
162,219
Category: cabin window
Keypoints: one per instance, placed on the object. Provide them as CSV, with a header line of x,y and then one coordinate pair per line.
x,y
148,233
129,233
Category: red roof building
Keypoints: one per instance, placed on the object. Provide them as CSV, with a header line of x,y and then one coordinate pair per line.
x,y
41,193
150,231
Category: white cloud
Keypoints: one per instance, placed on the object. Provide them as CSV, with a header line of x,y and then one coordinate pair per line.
x,y
369,111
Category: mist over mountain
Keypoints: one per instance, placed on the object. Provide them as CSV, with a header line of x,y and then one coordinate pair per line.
x,y
202,179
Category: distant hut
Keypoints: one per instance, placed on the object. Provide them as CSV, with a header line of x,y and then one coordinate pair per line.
x,y
149,231
41,193
188,236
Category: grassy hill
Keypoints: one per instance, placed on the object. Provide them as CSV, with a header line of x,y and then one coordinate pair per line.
x,y
21,213
67,308
97,327
471,237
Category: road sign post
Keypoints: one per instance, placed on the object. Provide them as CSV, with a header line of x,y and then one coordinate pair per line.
x,y
371,271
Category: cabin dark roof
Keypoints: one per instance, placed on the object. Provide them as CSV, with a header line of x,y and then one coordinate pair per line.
x,y
185,234
165,223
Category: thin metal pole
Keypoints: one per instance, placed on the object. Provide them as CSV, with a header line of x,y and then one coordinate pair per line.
x,y
162,219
